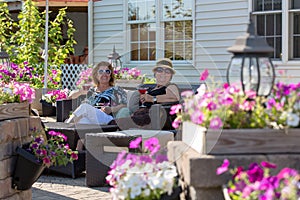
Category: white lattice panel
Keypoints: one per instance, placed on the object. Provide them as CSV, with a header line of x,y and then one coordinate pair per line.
x,y
70,75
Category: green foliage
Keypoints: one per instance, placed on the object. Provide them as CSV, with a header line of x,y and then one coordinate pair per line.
x,y
24,40
5,25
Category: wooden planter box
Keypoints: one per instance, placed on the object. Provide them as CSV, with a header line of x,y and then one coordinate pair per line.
x,y
129,84
14,110
252,141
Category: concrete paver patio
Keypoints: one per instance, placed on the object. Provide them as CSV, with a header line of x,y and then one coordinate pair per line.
x,y
50,187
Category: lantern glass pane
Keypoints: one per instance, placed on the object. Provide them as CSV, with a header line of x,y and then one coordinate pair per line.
x,y
246,74
266,76
254,80
234,71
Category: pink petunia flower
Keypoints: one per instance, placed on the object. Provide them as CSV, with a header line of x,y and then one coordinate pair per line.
x,y
204,75
224,167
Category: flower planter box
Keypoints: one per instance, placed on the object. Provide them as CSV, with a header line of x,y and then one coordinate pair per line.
x,y
194,136
252,141
129,84
241,141
14,110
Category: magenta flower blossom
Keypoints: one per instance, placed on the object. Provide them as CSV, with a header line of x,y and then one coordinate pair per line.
x,y
74,156
187,93
268,164
152,145
55,95
238,110
257,182
176,123
52,151
135,143
144,159
204,75
212,106
255,173
224,167
46,161
128,74
85,77
197,117
161,158
216,123
286,173
175,109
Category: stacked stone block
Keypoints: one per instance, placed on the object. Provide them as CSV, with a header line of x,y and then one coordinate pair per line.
x,y
14,132
198,172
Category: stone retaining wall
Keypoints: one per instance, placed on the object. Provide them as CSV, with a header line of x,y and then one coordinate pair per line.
x,y
198,172
13,133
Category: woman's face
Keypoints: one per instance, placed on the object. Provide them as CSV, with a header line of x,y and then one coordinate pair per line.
x,y
163,75
104,74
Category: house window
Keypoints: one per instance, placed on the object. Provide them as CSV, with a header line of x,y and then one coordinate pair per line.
x,y
268,20
268,16
294,13
160,28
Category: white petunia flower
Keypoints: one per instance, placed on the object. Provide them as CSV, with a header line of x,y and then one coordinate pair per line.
x,y
292,119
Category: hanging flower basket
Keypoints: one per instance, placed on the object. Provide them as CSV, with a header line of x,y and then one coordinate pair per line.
x,y
27,170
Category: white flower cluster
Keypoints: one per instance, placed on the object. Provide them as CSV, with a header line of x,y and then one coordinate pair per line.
x,y
144,180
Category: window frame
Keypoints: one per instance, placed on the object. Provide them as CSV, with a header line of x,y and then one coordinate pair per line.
x,y
287,30
159,21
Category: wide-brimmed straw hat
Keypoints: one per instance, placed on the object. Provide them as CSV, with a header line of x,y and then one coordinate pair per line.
x,y
164,62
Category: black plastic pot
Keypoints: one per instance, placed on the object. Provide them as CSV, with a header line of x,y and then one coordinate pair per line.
x,y
47,109
175,195
27,170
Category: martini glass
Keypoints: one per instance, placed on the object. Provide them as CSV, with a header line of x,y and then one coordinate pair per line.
x,y
142,90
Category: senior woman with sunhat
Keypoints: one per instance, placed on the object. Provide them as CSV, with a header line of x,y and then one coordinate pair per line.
x,y
163,92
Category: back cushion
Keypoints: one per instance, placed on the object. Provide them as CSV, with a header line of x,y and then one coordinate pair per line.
x,y
133,97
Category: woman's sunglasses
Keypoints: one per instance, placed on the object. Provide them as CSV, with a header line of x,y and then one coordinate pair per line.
x,y
102,71
166,70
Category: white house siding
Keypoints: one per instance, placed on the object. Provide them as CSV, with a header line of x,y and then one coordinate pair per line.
x,y
107,28
217,24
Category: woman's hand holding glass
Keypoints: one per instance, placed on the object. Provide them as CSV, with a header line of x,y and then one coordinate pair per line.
x,y
143,92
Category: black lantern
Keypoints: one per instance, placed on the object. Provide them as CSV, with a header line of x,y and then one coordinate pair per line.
x,y
114,59
4,58
251,67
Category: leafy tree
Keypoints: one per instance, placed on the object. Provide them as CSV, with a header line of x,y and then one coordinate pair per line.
x,y
24,39
5,25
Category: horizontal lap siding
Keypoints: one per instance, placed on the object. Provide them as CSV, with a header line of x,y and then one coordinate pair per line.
x,y
217,24
107,28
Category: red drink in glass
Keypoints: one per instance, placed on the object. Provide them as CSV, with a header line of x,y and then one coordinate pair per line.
x,y
142,90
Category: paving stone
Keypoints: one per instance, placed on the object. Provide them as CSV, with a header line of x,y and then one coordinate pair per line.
x,y
65,188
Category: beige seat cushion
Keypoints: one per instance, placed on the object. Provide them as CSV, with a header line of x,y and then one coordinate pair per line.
x,y
132,100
